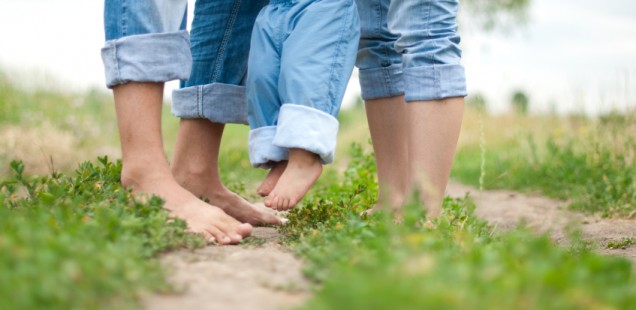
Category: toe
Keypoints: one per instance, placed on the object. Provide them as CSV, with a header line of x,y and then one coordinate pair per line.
x,y
244,229
218,235
269,201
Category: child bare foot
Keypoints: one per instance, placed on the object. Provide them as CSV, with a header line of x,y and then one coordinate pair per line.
x,y
303,169
272,178
201,218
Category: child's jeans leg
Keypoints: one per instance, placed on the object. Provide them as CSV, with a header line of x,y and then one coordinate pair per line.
x,y
316,63
146,41
262,88
220,36
429,43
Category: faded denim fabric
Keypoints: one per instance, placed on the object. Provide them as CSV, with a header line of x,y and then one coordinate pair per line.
x,y
146,41
302,55
220,36
410,48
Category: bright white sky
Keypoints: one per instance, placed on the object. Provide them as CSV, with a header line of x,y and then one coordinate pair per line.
x,y
573,56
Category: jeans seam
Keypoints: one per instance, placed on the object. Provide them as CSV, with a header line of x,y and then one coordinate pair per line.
x,y
436,79
200,101
226,39
124,25
116,62
333,77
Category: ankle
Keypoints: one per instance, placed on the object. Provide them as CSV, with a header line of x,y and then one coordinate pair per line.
x,y
303,158
198,180
136,176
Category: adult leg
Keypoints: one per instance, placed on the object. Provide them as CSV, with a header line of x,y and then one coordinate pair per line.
x,y
213,96
136,77
434,90
382,90
387,118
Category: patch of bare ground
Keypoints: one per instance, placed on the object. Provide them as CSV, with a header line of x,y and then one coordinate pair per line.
x,y
265,275
506,209
261,274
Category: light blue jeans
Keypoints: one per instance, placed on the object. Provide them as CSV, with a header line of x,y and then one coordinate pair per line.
x,y
410,48
303,52
146,41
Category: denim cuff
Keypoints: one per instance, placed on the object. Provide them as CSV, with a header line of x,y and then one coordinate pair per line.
x,y
309,129
219,103
263,153
434,82
382,82
155,57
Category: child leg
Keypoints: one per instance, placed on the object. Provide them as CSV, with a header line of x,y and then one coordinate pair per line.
x,y
316,62
263,101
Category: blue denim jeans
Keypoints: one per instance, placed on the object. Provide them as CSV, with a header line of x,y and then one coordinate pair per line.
x,y
303,52
410,48
220,35
146,41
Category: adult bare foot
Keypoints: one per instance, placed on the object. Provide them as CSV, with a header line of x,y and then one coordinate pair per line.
x,y
393,204
271,179
232,204
204,185
195,167
201,218
303,169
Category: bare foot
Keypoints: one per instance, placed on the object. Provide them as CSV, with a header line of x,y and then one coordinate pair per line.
x,y
201,218
272,178
303,169
204,185
393,203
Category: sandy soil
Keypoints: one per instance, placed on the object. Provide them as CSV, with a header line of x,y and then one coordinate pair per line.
x,y
265,276
268,276
506,209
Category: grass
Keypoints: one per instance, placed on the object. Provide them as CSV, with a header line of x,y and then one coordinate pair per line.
x,y
72,238
587,161
80,241
460,263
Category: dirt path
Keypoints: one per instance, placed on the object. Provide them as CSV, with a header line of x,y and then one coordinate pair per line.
x,y
261,276
268,276
506,209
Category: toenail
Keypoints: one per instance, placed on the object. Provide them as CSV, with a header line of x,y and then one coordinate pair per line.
x,y
226,239
211,240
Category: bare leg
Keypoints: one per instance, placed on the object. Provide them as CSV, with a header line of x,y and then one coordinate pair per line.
x,y
388,125
272,178
195,166
145,168
434,128
303,169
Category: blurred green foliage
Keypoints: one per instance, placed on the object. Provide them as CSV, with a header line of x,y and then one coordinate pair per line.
x,y
492,14
80,241
587,161
458,263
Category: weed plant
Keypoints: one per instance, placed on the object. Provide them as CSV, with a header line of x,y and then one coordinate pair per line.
x,y
589,162
80,241
458,263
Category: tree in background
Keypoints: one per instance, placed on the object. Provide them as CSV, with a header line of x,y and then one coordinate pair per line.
x,y
477,102
491,14
519,102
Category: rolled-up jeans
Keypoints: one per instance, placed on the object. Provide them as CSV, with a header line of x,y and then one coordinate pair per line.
x,y
303,52
410,48
147,41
